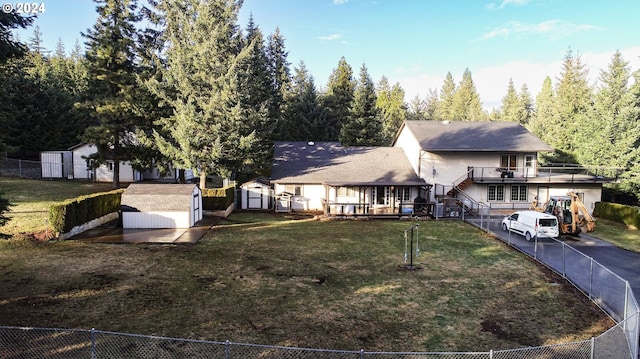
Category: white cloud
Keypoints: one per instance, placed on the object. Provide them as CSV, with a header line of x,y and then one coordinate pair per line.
x,y
554,28
331,37
505,3
340,2
492,81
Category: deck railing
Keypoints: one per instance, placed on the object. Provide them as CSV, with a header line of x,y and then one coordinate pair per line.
x,y
554,173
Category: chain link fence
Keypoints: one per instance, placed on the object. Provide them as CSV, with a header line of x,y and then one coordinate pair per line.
x,y
51,343
20,168
606,289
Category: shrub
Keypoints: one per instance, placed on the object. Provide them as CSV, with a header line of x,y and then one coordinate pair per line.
x,y
65,215
214,199
629,215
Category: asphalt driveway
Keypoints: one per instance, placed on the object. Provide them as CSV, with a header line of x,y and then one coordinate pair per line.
x,y
623,263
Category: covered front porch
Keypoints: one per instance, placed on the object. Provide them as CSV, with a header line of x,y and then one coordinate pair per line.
x,y
376,200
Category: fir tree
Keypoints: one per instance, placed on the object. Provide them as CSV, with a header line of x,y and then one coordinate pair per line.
x,y
278,67
444,110
390,103
210,129
338,97
466,101
509,110
417,109
112,76
304,117
10,47
364,126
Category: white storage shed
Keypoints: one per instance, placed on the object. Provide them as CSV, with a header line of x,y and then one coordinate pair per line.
x,y
161,205
57,164
256,194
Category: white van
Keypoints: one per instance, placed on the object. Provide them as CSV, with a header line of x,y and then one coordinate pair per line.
x,y
532,224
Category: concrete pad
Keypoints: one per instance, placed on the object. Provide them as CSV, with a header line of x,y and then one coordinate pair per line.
x,y
112,233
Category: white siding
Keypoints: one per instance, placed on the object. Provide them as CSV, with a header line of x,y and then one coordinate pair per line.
x,y
310,200
256,196
56,164
407,141
156,220
80,168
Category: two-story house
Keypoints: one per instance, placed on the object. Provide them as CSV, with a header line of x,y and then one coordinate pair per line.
x,y
492,164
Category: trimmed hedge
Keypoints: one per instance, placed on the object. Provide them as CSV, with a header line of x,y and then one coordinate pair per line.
x,y
214,199
620,213
73,212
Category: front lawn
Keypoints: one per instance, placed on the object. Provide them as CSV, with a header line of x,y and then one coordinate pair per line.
x,y
322,284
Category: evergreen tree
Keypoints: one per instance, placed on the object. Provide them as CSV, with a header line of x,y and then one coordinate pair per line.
x,y
10,47
112,75
35,42
364,126
390,103
545,117
444,110
304,117
509,110
615,135
466,101
338,97
210,128
573,106
526,105
417,109
278,66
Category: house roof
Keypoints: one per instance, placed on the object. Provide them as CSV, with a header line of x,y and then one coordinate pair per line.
x,y
166,197
258,180
333,164
477,136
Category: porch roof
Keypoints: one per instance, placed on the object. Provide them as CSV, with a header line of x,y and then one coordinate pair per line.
x,y
333,164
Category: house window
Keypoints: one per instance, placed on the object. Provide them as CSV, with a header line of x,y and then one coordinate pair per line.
x,y
403,194
509,162
518,193
529,161
296,189
346,192
496,192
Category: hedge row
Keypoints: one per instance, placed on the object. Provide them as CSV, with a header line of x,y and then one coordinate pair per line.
x,y
65,215
621,213
214,199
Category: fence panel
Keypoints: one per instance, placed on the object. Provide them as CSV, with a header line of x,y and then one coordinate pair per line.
x,y
20,168
609,291
29,343
575,350
577,268
107,345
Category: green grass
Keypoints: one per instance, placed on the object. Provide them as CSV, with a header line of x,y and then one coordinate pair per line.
x,y
31,200
325,284
619,234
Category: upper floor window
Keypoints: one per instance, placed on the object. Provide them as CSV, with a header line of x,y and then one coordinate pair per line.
x,y
509,161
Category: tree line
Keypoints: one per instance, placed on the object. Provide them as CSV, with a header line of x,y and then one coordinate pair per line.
x,y
192,89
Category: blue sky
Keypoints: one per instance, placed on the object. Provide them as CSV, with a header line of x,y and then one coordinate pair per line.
x,y
416,42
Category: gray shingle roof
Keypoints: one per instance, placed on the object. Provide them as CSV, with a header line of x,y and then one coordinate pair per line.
x,y
452,136
147,197
331,163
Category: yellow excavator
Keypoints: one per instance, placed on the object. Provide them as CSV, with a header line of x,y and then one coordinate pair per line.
x,y
573,216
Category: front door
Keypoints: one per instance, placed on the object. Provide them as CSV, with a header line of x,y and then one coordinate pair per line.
x,y
381,196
